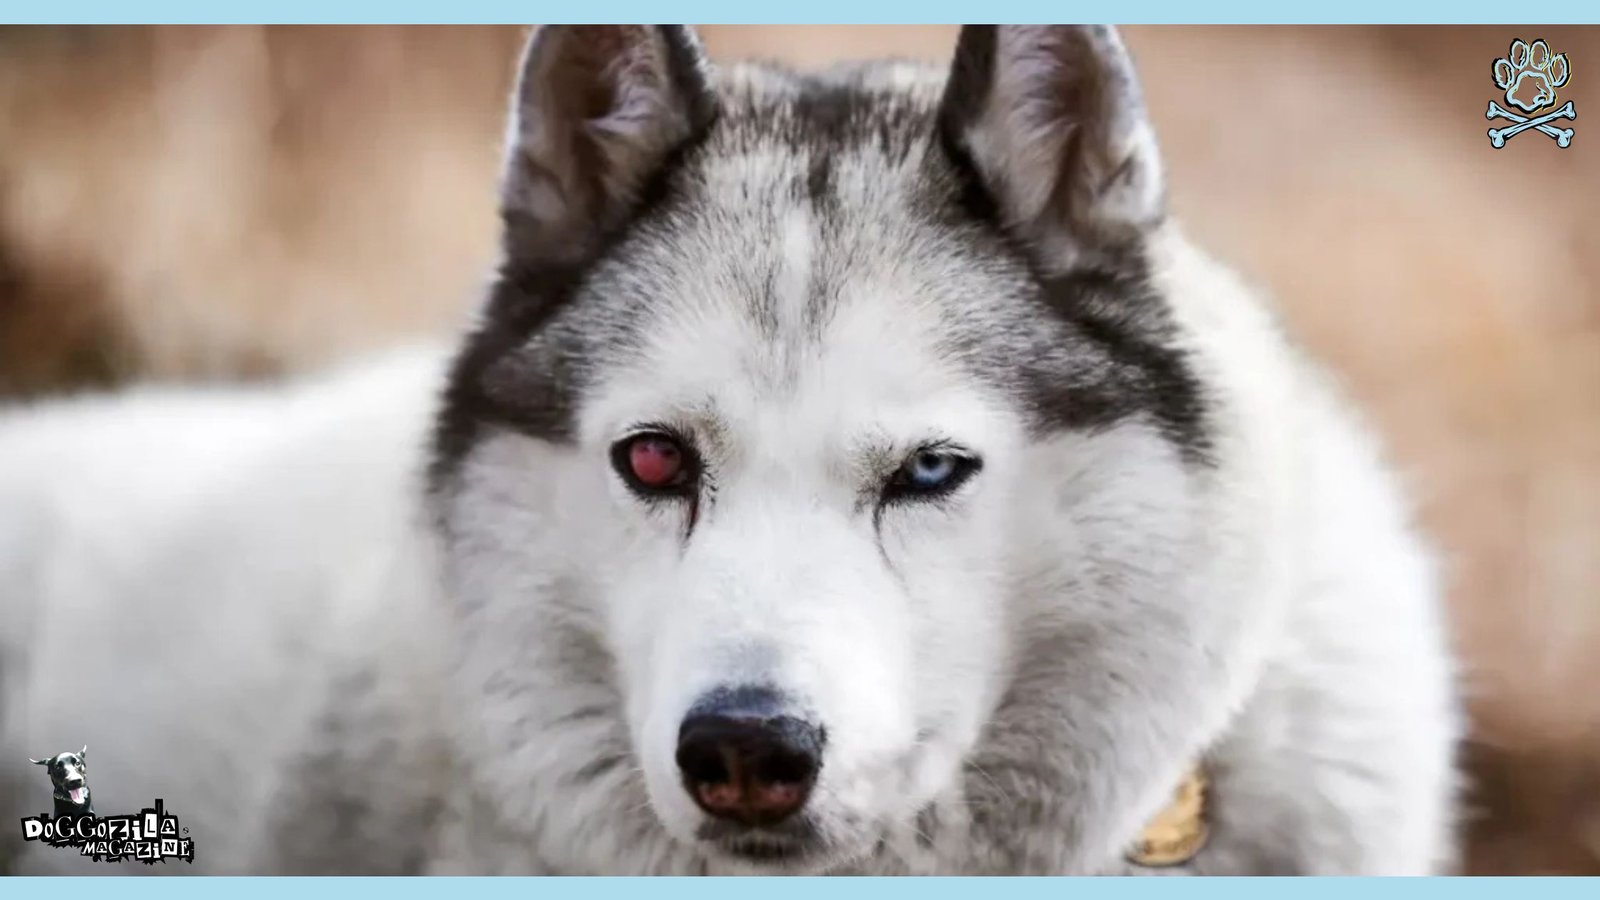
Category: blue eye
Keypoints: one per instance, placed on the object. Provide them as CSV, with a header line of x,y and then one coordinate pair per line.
x,y
931,472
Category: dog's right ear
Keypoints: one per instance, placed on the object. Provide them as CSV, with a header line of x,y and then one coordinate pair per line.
x,y
40,762
598,109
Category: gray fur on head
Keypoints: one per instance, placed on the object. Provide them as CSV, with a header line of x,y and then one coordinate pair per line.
x,y
805,281
1169,543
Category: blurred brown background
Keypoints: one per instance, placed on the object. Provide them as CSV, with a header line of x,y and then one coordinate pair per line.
x,y
203,203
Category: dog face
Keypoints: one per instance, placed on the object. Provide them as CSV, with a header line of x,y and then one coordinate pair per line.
x,y
794,397
69,775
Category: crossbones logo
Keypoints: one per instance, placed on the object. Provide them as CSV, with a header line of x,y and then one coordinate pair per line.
x,y
1530,75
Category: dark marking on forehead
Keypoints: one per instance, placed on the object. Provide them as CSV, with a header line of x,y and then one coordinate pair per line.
x,y
839,110
1079,351
819,179
514,372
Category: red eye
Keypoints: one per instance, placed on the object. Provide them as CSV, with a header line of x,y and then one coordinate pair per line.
x,y
656,461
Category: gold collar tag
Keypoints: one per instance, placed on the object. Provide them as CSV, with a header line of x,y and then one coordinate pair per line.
x,y
1178,832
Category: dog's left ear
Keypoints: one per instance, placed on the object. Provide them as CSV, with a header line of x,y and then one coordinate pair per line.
x,y
83,755
1052,119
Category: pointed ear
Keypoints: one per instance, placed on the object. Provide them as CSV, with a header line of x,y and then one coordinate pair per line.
x,y
597,111
1052,120
84,753
40,762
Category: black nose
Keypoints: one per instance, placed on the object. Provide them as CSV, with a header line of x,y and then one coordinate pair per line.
x,y
743,759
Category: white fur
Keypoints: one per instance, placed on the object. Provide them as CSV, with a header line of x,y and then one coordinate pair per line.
x,y
1012,681
180,549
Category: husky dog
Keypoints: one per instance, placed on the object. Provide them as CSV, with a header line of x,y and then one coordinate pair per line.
x,y
849,472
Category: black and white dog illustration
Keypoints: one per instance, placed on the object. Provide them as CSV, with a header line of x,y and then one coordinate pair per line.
x,y
69,776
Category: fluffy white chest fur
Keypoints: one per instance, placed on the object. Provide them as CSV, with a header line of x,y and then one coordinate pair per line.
x,y
874,503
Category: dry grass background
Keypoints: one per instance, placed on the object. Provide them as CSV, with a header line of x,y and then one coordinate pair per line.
x,y
202,203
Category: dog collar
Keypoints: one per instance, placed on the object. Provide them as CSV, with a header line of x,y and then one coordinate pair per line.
x,y
1179,831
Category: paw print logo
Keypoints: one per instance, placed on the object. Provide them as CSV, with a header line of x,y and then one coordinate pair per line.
x,y
1530,74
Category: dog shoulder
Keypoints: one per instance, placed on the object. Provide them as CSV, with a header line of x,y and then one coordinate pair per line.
x,y
1361,656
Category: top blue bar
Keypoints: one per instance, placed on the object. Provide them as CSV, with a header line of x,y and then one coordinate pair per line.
x,y
1129,12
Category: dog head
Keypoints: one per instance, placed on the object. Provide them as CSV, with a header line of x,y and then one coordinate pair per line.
x,y
69,775
807,416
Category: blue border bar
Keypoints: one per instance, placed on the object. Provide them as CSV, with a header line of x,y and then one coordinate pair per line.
x,y
139,888
842,12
